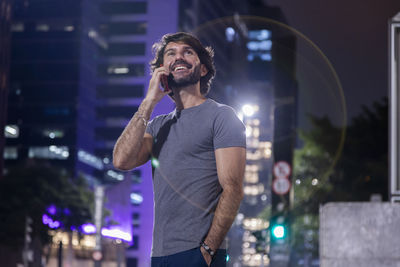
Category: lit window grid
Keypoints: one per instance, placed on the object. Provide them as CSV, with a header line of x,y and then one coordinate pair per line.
x,y
49,152
53,133
250,257
11,131
251,177
253,224
90,159
259,154
10,153
255,259
254,190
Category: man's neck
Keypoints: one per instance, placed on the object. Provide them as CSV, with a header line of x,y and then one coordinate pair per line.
x,y
187,97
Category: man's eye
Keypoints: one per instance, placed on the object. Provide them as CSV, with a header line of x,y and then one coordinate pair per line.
x,y
189,52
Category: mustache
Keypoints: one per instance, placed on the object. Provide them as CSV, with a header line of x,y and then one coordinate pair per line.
x,y
180,62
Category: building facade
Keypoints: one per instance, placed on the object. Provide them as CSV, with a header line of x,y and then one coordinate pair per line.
x,y
5,41
78,72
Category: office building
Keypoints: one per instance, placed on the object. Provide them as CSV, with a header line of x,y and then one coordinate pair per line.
x,y
78,72
5,39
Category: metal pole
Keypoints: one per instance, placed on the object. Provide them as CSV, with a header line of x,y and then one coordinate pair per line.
x,y
60,254
98,219
394,107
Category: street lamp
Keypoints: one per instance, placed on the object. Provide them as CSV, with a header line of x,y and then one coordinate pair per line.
x,y
249,110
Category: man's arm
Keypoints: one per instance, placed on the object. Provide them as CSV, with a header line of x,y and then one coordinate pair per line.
x,y
231,164
133,147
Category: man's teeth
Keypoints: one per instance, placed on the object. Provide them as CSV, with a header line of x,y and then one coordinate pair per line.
x,y
180,68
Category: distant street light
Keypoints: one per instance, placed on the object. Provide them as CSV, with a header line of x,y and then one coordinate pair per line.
x,y
249,110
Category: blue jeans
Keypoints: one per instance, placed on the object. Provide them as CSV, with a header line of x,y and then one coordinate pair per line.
x,y
189,258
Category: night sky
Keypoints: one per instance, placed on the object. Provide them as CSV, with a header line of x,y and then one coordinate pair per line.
x,y
353,34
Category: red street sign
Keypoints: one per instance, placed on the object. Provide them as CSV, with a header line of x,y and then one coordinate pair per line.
x,y
282,169
281,186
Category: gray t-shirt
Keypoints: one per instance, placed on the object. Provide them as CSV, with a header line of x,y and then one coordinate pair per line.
x,y
185,181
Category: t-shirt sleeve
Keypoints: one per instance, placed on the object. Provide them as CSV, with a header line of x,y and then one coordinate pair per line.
x,y
150,128
229,130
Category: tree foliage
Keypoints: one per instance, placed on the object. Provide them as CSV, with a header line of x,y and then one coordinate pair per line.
x,y
28,189
326,173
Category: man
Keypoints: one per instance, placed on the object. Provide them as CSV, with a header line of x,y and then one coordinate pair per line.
x,y
201,154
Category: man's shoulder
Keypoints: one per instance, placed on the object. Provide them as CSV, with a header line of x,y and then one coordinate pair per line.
x,y
222,111
163,117
219,107
158,121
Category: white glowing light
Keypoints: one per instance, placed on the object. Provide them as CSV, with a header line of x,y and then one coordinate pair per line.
x,y
118,70
136,198
249,110
11,130
69,28
248,131
116,233
42,27
229,34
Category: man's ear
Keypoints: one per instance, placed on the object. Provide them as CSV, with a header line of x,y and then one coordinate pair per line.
x,y
203,70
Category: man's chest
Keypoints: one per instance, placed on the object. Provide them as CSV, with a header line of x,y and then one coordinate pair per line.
x,y
186,137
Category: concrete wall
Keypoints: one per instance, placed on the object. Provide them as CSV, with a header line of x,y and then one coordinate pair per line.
x,y
360,234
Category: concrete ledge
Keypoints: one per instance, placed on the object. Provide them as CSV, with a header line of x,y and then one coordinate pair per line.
x,y
360,234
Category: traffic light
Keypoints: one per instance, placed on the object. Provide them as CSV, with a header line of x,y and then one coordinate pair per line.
x,y
278,231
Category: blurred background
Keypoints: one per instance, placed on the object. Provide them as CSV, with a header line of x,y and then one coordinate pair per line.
x,y
308,78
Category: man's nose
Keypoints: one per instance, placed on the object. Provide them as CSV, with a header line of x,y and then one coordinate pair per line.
x,y
178,56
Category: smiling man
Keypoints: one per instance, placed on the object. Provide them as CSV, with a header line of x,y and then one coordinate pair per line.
x,y
201,152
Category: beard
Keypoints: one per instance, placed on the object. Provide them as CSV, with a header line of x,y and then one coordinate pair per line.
x,y
190,79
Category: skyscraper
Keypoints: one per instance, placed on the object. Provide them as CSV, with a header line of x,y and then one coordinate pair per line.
x,y
79,70
5,38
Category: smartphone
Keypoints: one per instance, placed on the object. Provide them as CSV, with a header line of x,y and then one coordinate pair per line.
x,y
164,81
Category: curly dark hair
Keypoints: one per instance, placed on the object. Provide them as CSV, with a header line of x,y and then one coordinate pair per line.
x,y
205,54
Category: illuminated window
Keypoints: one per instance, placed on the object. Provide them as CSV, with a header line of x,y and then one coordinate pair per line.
x,y
90,159
11,131
136,198
42,27
53,133
230,34
69,28
17,27
10,153
121,70
260,34
49,152
115,175
259,45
